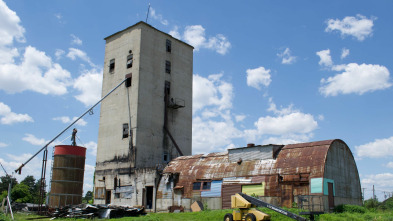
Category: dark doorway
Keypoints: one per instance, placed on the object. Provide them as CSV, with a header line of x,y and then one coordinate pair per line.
x,y
331,196
149,197
108,197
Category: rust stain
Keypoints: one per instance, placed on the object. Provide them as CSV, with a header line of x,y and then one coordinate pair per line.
x,y
290,172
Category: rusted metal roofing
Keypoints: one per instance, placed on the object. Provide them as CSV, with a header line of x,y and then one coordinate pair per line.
x,y
295,162
304,158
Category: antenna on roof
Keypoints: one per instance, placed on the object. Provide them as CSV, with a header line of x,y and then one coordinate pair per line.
x,y
148,10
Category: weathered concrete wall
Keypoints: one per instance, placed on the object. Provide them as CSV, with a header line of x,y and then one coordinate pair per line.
x,y
139,179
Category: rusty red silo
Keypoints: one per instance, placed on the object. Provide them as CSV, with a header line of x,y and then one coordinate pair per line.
x,y
67,176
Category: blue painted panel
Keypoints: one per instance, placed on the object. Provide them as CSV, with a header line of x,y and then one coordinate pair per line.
x,y
316,185
325,187
215,189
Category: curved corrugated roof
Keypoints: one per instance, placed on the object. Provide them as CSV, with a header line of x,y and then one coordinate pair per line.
x,y
308,158
304,158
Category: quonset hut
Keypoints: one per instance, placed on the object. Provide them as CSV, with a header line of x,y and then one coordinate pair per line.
x,y
318,174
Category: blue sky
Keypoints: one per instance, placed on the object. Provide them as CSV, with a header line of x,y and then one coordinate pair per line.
x,y
264,72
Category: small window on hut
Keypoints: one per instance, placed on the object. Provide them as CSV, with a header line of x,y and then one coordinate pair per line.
x,y
112,66
168,45
201,186
196,186
206,185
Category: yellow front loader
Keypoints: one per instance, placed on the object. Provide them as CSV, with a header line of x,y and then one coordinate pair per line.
x,y
245,209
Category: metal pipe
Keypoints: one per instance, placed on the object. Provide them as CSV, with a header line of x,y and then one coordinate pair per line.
x,y
20,168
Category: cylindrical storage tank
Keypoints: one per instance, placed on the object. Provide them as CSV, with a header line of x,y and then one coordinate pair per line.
x,y
67,176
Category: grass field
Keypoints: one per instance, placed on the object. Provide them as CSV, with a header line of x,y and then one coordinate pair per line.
x,y
219,215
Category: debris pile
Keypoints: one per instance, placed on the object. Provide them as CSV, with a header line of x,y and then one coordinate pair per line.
x,y
92,211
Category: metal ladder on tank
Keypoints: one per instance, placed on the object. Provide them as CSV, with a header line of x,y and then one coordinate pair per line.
x,y
51,172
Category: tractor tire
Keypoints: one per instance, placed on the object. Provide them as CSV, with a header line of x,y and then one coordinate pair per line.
x,y
228,217
250,217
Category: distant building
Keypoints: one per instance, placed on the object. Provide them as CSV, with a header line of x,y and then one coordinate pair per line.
x,y
317,175
144,126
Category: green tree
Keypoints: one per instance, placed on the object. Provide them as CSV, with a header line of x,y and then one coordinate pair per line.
x,y
21,194
88,196
5,181
30,182
3,195
371,203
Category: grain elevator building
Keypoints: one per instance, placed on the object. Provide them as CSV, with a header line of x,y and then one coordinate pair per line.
x,y
146,123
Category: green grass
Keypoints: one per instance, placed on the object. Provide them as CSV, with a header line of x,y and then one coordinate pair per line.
x,y
219,215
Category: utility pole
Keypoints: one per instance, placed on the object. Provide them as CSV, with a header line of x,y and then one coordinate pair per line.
x,y
373,193
363,195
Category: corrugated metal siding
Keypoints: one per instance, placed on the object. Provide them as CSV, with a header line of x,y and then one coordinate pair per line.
x,y
251,153
287,175
227,192
215,189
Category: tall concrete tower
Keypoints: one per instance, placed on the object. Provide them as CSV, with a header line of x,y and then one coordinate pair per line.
x,y
148,121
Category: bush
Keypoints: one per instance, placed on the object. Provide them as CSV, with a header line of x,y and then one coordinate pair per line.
x,y
349,209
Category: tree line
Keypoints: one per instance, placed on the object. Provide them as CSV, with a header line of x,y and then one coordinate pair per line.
x,y
28,190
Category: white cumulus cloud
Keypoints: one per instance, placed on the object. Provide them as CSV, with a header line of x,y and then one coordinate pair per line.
x,y
344,53
3,145
325,58
9,26
75,40
59,53
376,149
36,73
67,120
287,57
158,17
89,84
389,165
211,91
357,79
195,35
9,117
92,148
359,27
287,125
240,118
380,181
75,53
213,127
30,138
258,77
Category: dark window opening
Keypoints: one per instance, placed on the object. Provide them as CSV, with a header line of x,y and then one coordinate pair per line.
x,y
206,185
168,45
119,183
115,182
167,67
201,186
196,186
129,61
125,130
166,157
112,65
103,178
